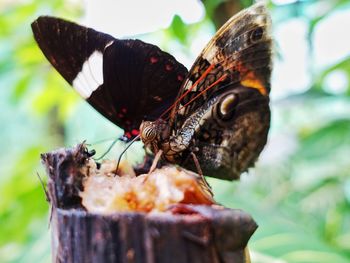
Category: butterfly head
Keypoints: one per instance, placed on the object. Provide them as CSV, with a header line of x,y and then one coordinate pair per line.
x,y
153,132
148,131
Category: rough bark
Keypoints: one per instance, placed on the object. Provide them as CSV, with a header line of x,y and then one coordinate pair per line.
x,y
185,233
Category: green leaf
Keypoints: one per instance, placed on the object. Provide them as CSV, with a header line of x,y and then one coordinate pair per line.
x,y
179,30
21,87
325,141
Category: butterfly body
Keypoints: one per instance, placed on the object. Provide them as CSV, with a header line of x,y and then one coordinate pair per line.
x,y
227,122
217,111
216,135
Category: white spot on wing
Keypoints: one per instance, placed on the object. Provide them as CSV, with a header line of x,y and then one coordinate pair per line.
x,y
91,75
109,43
188,85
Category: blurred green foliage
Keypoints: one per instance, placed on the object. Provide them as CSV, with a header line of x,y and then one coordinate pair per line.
x,y
300,199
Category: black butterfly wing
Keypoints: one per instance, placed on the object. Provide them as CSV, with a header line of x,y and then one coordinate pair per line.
x,y
125,80
224,102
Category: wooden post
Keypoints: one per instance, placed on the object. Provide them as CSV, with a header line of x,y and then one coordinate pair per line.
x,y
183,234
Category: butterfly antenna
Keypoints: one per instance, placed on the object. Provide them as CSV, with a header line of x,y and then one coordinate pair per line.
x,y
207,71
108,150
222,78
126,148
103,141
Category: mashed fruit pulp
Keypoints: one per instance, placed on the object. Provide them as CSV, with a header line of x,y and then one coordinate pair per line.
x,y
106,192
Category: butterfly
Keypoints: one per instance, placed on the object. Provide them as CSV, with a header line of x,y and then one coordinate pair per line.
x,y
217,112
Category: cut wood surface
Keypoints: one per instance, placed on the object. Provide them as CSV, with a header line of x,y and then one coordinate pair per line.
x,y
184,233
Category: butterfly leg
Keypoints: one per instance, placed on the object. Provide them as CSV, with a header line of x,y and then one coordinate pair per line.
x,y
203,182
155,161
144,167
196,163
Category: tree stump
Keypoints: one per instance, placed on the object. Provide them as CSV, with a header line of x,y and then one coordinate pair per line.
x,y
185,233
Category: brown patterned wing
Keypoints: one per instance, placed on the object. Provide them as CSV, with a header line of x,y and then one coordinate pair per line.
x,y
223,104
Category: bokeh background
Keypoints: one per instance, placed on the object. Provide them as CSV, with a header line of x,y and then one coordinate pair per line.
x,y
299,192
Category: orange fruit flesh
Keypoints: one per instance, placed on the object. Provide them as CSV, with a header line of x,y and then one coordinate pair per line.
x,y
106,192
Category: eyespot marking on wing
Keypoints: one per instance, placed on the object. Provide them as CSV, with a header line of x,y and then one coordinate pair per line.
x,y
257,34
226,106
